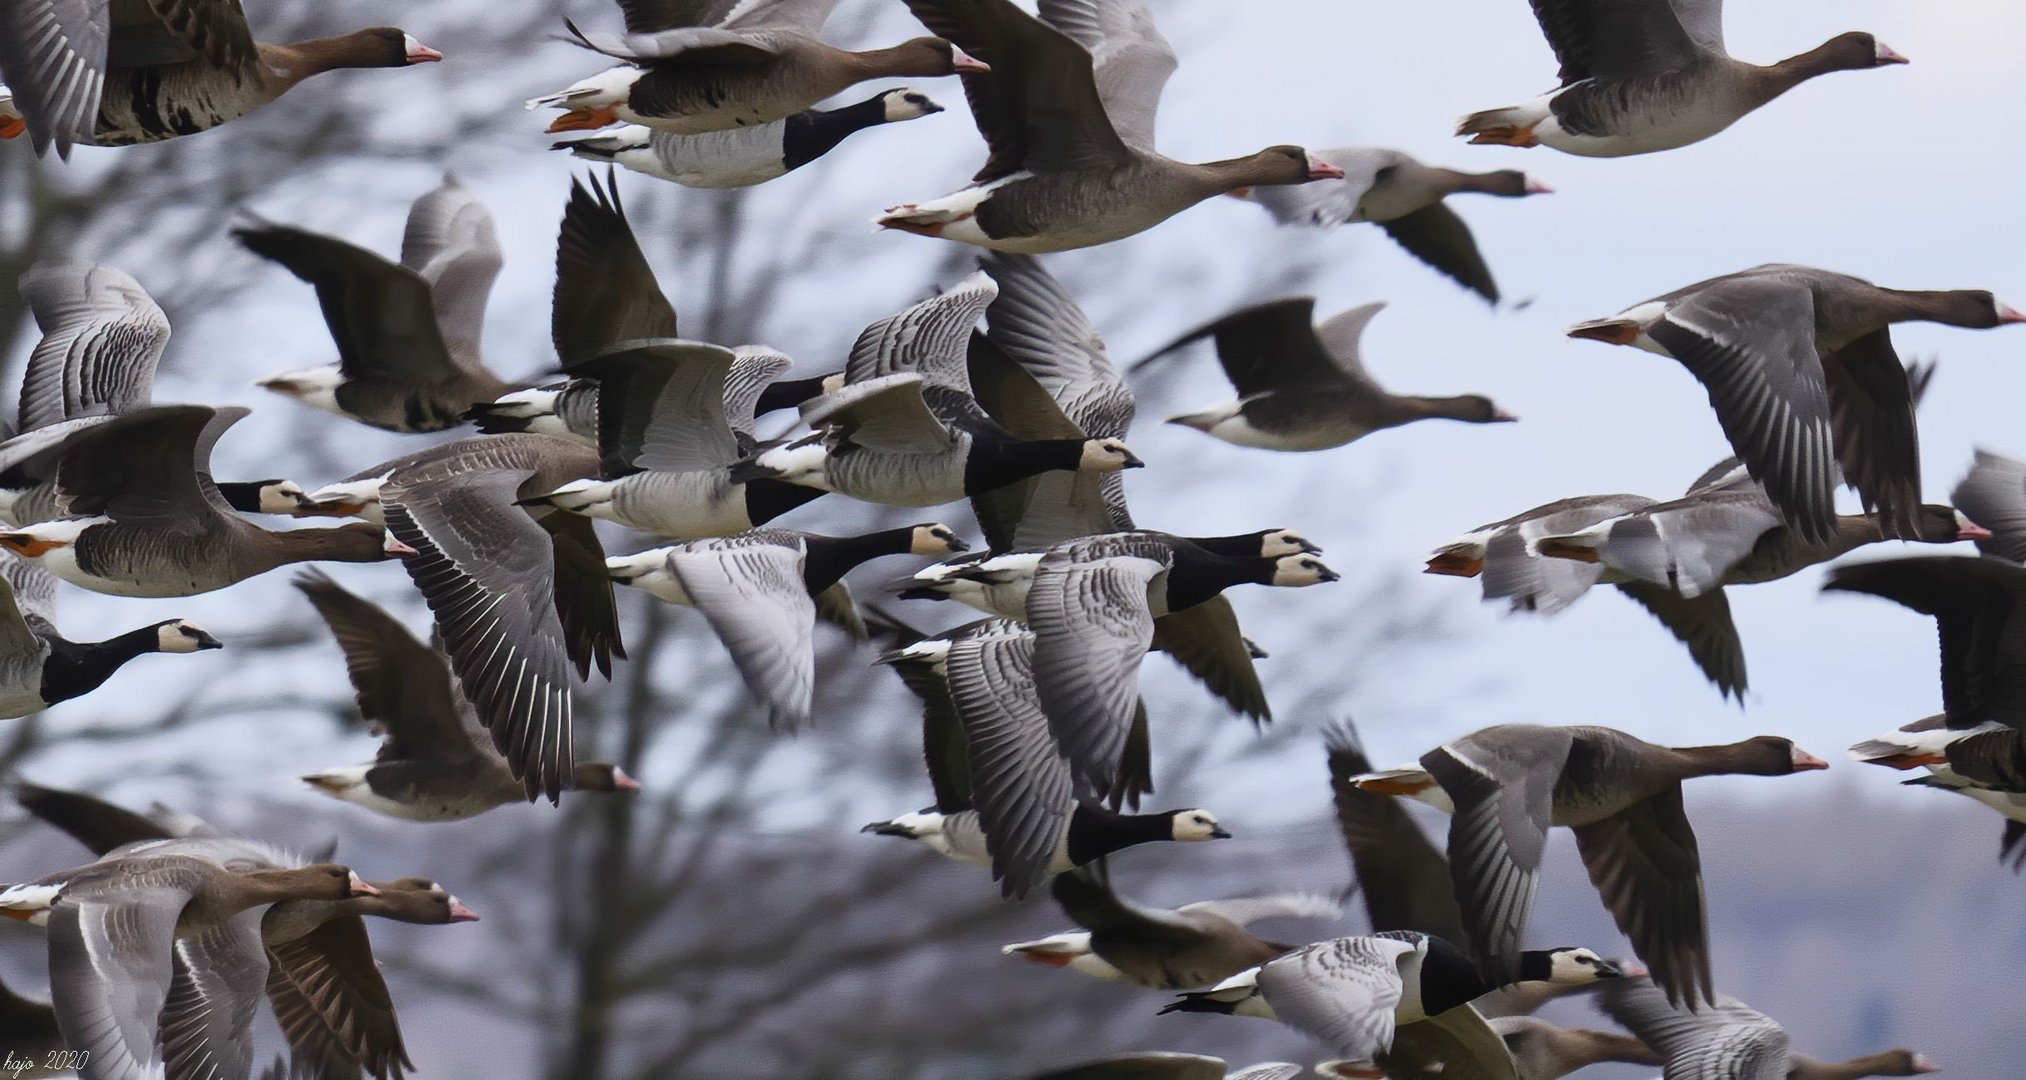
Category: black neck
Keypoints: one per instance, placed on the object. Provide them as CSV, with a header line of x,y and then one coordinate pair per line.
x,y
829,558
243,495
79,667
810,135
1094,833
769,499
787,393
1200,574
1449,978
1243,545
993,464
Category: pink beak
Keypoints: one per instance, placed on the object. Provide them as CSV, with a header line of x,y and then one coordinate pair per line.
x,y
1805,761
419,53
1970,530
623,782
1633,971
1318,169
1887,56
1921,1064
1503,417
1535,187
964,63
393,546
2009,314
460,913
360,887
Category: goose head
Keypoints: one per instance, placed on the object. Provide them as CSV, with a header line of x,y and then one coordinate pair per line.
x,y
935,538
1274,543
421,901
1297,570
183,636
906,103
1195,825
602,776
930,56
1107,455
1567,967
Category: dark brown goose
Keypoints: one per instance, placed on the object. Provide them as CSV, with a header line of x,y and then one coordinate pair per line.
x,y
119,72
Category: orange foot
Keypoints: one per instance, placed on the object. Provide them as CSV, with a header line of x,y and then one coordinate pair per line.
x,y
1455,565
12,126
584,120
1048,959
1395,787
1909,761
27,546
1507,136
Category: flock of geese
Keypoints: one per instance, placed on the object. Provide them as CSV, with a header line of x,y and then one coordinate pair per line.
x,y
996,390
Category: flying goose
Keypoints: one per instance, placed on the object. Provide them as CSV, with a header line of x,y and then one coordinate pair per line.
x,y
127,71
1974,745
1404,197
102,339
40,667
1993,494
321,979
1800,369
1303,386
520,593
436,763
407,333
742,157
143,517
1194,945
759,590
1641,76
1163,1065
1005,795
1734,1041
568,409
1507,784
116,926
1068,112
1544,1051
1356,993
693,67
1093,608
905,428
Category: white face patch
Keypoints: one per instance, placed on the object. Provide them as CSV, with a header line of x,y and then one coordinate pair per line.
x,y
908,103
1285,542
282,497
1295,571
1574,967
1196,825
1105,455
934,540
182,637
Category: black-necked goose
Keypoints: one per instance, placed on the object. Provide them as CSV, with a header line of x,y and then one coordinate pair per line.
x,y
1544,1051
40,667
1800,369
114,929
759,590
1640,76
1734,1041
1005,795
1303,386
742,157
1162,1065
1404,197
407,333
1068,112
145,519
125,72
519,592
1979,607
1507,784
1191,946
1357,994
437,763
1093,608
905,430
694,68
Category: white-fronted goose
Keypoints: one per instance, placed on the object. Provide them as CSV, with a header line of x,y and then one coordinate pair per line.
x,y
759,590
1161,1065
1734,1041
695,67
1067,109
1978,610
1404,197
1093,607
520,593
407,332
1194,945
1993,494
905,429
1304,387
1501,554
1800,369
437,763
1544,1051
320,976
1506,785
143,517
1640,76
742,157
1005,795
114,929
1356,993
40,667
102,339
135,71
